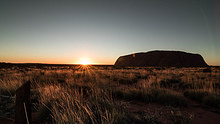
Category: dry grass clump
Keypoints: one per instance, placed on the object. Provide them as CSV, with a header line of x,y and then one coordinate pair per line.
x,y
8,87
160,96
73,106
205,97
10,81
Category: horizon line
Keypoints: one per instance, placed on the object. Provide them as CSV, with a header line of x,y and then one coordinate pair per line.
x,y
69,64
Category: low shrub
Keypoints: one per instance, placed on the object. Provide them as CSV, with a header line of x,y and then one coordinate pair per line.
x,y
169,83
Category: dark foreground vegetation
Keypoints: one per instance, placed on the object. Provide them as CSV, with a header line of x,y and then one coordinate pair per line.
x,y
107,94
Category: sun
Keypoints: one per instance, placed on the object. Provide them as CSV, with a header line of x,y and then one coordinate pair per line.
x,y
85,61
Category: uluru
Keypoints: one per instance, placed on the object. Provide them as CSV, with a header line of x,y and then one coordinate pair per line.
x,y
161,59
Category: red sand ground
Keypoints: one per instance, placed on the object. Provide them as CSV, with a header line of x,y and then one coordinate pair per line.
x,y
199,114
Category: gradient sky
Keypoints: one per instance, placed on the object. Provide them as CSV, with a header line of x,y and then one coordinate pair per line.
x,y
67,31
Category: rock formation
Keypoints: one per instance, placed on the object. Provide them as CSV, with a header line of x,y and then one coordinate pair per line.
x,y
161,59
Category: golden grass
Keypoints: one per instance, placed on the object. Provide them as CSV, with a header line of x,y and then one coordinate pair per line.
x,y
84,94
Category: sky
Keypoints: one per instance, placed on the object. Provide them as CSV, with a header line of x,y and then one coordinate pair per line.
x,y
66,32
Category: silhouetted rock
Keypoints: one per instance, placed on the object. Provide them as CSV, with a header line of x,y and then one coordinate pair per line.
x,y
162,58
